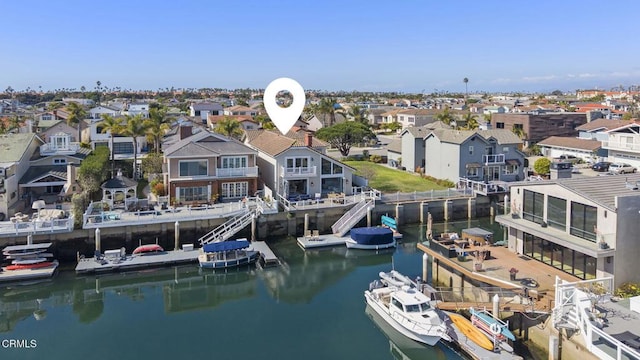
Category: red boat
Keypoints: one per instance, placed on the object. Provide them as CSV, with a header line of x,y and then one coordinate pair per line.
x,y
30,266
146,249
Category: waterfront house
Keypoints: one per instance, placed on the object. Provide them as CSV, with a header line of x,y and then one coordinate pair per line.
x,y
17,149
412,139
587,227
297,167
122,145
536,127
479,155
207,167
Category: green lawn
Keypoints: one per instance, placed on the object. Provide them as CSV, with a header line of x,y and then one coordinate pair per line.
x,y
390,180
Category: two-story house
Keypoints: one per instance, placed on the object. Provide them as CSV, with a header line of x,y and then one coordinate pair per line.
x,y
240,110
623,144
122,145
204,109
296,168
416,117
479,155
246,121
412,148
205,167
536,127
15,152
587,227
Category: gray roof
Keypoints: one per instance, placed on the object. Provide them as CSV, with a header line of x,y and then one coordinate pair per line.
x,y
502,136
453,136
206,106
205,143
36,172
45,124
422,131
395,146
602,190
119,182
13,146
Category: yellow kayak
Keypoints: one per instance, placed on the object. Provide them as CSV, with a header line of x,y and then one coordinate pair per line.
x,y
471,332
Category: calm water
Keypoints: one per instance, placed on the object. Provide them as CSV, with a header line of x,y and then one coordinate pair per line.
x,y
312,308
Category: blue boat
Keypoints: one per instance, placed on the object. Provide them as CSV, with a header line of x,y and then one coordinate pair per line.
x,y
225,254
494,327
371,238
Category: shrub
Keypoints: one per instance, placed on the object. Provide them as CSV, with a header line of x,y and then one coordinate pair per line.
x,y
627,290
541,166
375,159
158,189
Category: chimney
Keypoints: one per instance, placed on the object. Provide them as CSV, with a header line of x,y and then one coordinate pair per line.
x,y
308,139
185,132
71,175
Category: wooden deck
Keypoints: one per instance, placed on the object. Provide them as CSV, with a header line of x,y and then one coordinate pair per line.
x,y
495,272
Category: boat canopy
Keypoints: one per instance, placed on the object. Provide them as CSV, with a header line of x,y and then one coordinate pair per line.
x,y
372,235
42,246
226,246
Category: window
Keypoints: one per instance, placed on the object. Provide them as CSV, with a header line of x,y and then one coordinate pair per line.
x,y
123,148
557,212
533,206
510,169
500,125
472,171
583,221
193,168
470,149
297,162
234,162
333,184
235,189
195,193
59,161
328,167
505,149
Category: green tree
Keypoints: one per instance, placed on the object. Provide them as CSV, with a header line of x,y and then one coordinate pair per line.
x,y
264,122
157,125
445,116
346,134
326,107
229,127
519,132
152,164
77,114
356,113
134,127
470,120
113,126
393,126
542,166
93,170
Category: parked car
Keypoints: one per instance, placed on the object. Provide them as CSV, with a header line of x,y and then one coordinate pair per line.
x,y
567,158
601,166
621,168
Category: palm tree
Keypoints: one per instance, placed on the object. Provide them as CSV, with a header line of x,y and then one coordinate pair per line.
x,y
134,127
445,116
229,127
357,114
470,121
77,114
113,126
466,88
326,107
157,125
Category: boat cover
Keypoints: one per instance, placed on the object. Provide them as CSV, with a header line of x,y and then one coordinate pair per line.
x,y
372,235
226,246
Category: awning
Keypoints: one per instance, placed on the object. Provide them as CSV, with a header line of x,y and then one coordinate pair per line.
x,y
226,246
473,165
513,162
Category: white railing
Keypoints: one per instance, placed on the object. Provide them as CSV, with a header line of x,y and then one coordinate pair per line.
x,y
426,195
52,149
620,145
351,217
233,172
493,159
37,226
306,171
229,228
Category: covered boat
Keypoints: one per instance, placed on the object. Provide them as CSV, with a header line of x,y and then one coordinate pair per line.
x,y
224,254
371,238
406,309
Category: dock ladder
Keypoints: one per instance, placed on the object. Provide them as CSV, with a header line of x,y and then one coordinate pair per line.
x,y
352,217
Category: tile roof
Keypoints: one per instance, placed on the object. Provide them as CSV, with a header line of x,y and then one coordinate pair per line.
x,y
240,118
571,143
271,142
604,124
206,143
13,146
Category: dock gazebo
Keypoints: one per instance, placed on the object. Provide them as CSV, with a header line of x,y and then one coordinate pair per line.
x,y
119,191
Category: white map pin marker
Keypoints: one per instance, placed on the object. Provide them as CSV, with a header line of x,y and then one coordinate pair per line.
x,y
284,118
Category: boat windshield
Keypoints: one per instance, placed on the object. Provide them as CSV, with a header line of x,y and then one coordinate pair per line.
x,y
417,307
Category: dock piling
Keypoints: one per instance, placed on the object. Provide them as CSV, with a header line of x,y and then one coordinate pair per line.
x,y
30,239
369,215
425,266
176,234
306,223
496,306
98,240
254,226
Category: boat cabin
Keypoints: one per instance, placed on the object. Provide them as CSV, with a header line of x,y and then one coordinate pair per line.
x,y
410,301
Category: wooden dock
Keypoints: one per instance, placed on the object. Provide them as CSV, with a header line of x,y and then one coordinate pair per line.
x,y
321,241
267,257
132,262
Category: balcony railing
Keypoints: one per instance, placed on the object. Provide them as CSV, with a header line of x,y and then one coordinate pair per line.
x,y
307,171
52,149
236,172
619,145
493,159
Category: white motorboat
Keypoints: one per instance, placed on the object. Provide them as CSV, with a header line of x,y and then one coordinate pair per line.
x,y
406,309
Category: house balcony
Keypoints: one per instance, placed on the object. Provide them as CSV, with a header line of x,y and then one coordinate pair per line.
x,y
251,171
308,171
622,146
496,159
51,149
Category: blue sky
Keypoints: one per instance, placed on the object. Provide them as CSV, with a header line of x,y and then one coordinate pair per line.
x,y
409,46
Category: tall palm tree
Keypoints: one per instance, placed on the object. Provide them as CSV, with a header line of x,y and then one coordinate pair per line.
x,y
445,116
229,127
113,126
135,128
357,113
157,125
326,106
471,121
77,114
466,88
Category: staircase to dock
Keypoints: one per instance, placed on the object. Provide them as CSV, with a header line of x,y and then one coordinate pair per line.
x,y
230,227
352,217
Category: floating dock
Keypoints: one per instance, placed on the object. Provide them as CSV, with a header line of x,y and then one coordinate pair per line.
x,y
132,262
310,242
27,274
267,257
